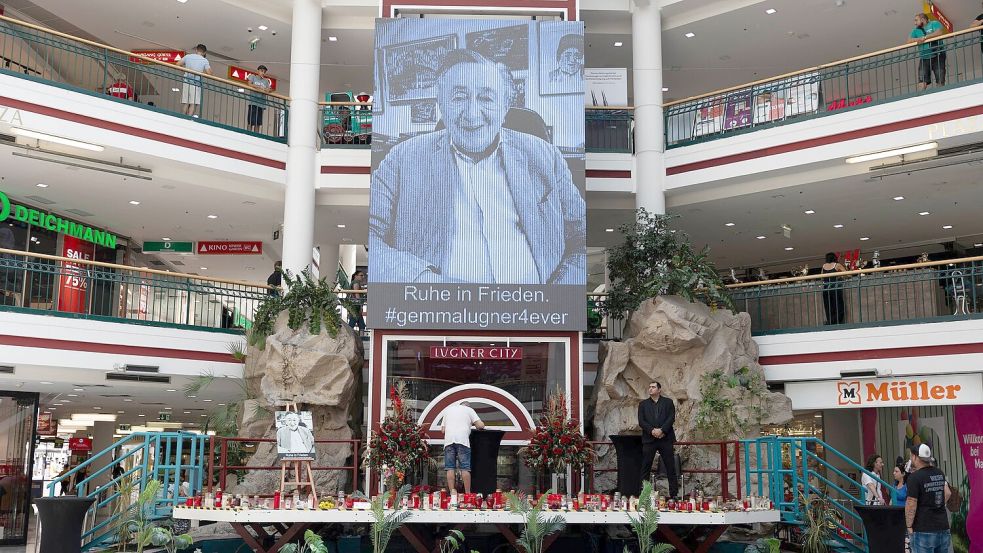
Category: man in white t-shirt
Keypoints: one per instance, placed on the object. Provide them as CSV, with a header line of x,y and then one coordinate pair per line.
x,y
458,420
191,89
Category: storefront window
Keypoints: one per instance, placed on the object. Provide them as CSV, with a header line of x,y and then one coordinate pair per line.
x,y
18,413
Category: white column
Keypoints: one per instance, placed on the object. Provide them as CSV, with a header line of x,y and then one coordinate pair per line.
x,y
302,138
347,256
329,263
650,165
102,438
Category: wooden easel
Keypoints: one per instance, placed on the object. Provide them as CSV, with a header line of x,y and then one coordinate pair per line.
x,y
297,467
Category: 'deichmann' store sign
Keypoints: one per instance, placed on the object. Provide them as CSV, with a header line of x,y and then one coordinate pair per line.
x,y
39,218
954,389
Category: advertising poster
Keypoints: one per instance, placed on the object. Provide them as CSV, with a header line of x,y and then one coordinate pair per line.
x,y
738,112
606,87
294,436
47,425
73,289
477,217
969,519
709,117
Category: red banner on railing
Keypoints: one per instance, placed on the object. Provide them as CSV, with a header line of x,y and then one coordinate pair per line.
x,y
241,74
166,56
73,288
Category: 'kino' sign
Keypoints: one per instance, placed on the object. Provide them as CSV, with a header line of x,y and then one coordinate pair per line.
x,y
53,222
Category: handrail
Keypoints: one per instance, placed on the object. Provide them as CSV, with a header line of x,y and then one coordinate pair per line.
x,y
855,272
369,104
144,58
814,68
131,268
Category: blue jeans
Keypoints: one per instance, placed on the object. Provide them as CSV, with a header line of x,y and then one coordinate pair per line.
x,y
457,453
930,542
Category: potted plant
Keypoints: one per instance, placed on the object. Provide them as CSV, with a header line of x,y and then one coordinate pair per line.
x,y
646,523
400,445
312,544
535,529
384,524
142,530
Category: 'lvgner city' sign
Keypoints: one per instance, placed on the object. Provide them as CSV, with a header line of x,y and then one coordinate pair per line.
x,y
49,221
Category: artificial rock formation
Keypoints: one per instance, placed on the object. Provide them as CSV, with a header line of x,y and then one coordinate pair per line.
x,y
319,373
676,342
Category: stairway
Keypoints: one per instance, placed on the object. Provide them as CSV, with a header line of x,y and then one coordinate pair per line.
x,y
797,471
168,457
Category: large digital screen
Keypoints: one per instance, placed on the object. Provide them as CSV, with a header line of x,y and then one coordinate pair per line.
x,y
477,217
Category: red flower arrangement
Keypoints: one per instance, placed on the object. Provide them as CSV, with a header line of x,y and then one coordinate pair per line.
x,y
399,445
557,442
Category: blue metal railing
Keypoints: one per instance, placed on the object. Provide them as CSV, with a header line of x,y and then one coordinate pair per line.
x,y
151,456
832,88
32,52
923,292
790,471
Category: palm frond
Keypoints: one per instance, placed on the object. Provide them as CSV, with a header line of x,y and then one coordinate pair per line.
x,y
199,383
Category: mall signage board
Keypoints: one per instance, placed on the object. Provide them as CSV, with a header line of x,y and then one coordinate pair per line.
x,y
856,393
168,247
39,218
475,353
166,56
80,444
231,247
447,251
241,74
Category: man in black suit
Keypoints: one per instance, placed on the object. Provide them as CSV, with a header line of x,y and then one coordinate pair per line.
x,y
656,416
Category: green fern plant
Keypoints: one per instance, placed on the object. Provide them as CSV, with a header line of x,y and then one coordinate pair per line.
x,y
535,529
308,300
384,524
453,541
646,523
313,543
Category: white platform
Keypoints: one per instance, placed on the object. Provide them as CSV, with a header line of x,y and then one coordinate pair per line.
x,y
464,517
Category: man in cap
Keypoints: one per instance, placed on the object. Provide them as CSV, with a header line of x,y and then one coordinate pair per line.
x,y
925,514
570,62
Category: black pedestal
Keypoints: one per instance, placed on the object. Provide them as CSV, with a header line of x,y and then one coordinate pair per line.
x,y
484,460
885,527
61,523
628,447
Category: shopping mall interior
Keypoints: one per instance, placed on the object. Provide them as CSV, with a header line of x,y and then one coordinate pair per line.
x,y
156,205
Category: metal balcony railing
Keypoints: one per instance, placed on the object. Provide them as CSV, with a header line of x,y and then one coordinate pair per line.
x,y
349,125
845,85
36,53
37,283
920,292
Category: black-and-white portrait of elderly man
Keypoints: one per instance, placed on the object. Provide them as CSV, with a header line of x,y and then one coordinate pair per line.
x,y
473,201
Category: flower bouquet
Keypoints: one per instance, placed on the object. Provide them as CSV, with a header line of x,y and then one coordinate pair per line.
x,y
557,442
399,446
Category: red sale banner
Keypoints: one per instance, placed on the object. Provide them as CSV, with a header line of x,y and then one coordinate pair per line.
x,y
73,288
80,444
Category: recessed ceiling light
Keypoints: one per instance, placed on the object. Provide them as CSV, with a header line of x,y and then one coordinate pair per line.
x,y
341,226
789,248
183,1
262,27
56,139
78,389
76,395
619,44
770,11
332,39
171,390
58,404
175,90
221,405
864,238
946,227
761,237
121,412
97,408
893,153
45,382
978,245
206,400
809,212
127,399
166,239
66,401
729,224
924,213
609,230
42,185
141,415
134,202
187,412
168,408
201,269
898,198
690,35
192,397
837,226
665,89
204,415
51,408
213,216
